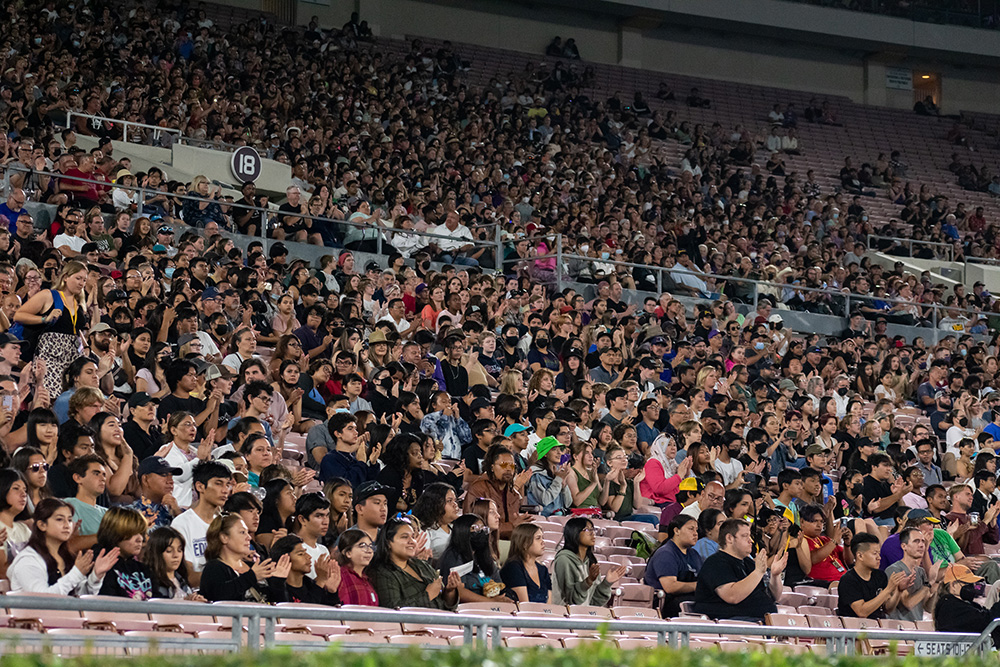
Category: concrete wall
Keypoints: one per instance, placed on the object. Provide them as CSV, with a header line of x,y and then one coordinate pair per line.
x,y
274,176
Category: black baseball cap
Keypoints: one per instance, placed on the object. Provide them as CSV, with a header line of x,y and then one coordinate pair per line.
x,y
366,490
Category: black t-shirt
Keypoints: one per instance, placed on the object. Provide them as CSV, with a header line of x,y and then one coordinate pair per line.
x,y
171,404
473,456
876,490
853,588
142,443
720,569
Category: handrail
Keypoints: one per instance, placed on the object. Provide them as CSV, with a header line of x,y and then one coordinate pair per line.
x,y
271,213
910,244
675,632
847,296
157,130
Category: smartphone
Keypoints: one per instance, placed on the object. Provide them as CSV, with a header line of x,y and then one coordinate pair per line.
x,y
563,460
8,402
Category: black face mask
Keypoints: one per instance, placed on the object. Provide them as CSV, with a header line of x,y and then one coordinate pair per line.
x,y
222,330
761,449
386,382
842,391
123,327
511,341
479,540
970,592
424,266
541,342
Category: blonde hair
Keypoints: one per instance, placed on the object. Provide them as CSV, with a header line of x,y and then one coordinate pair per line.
x,y
198,180
535,383
83,397
510,380
69,270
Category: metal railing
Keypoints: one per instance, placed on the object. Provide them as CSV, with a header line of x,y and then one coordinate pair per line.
x,y
972,14
268,215
97,122
837,297
384,235
478,630
909,244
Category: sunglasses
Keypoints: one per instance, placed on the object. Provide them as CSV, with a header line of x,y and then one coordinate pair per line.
x,y
37,467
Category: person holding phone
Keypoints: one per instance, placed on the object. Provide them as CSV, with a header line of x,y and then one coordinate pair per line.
x,y
548,487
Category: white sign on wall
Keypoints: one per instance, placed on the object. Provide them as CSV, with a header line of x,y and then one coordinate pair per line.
x,y
899,78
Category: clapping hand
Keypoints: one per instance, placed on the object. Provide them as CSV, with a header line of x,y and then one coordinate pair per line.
x,y
105,561
616,573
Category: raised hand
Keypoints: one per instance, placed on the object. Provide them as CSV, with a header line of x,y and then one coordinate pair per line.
x,y
778,564
616,573
264,569
593,573
332,575
206,445
105,561
454,581
282,568
434,588
84,561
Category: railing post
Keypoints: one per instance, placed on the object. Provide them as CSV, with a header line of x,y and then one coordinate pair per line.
x,y
253,633
559,262
142,199
498,241
269,632
237,630
468,635
125,133
481,636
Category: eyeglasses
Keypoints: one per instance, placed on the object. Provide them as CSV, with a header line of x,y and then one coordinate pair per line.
x,y
38,467
364,546
589,529
479,528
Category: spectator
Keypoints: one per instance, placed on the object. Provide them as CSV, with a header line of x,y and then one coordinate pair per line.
x,y
212,482
230,574
922,592
526,579
307,581
403,580
731,584
164,560
674,566
354,552
578,578
124,529
866,591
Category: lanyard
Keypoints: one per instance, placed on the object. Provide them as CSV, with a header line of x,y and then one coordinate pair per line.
x,y
73,314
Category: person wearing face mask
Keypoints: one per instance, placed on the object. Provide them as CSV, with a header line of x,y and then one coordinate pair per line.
x,y
541,355
509,353
956,609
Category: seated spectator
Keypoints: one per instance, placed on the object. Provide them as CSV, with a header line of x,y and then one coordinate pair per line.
x,y
921,593
674,566
403,475
577,576
124,529
731,583
90,476
403,580
163,557
13,501
307,582
525,579
46,565
694,99
973,531
498,485
820,556
231,574
246,505
547,487
470,543
277,512
956,609
213,483
354,554
865,591
709,523
663,474
310,522
437,508
371,506
882,493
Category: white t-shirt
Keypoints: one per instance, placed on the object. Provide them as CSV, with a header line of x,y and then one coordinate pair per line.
x,y
208,346
194,530
315,552
75,243
234,361
729,471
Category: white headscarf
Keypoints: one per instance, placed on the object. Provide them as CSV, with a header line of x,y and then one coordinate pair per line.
x,y
658,451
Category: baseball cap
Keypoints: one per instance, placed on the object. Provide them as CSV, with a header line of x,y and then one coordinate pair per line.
x,y
187,338
786,384
141,398
159,247
277,250
99,327
515,428
690,484
117,295
922,514
157,465
962,573
775,319
214,372
816,448
366,490
166,230
657,340
546,445
372,265
8,338
817,350
209,293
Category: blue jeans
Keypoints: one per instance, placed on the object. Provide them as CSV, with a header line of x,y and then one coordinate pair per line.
x,y
461,260
647,518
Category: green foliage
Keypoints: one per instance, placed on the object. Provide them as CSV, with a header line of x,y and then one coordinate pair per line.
x,y
591,655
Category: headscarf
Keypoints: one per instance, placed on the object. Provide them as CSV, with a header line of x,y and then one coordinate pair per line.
x,y
658,451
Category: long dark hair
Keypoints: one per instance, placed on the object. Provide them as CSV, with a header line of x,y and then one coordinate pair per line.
x,y
152,555
460,545
272,492
43,512
382,558
7,479
20,462
571,536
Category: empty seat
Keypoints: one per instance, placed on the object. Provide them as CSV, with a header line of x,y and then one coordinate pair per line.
x,y
502,606
536,608
589,610
528,642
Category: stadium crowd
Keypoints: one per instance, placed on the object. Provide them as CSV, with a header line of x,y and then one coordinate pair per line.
x,y
182,418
